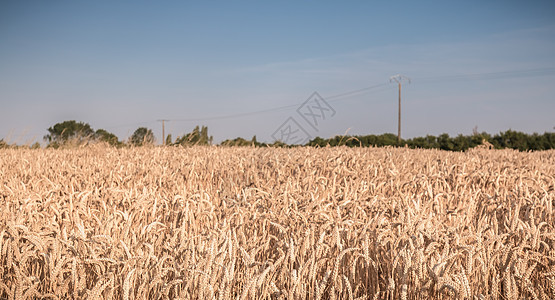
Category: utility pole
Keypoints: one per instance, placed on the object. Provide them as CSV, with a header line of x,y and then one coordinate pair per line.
x,y
399,79
163,131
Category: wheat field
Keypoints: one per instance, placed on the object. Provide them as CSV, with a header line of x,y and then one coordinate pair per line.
x,y
274,223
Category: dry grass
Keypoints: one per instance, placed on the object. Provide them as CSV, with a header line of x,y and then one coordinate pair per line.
x,y
228,223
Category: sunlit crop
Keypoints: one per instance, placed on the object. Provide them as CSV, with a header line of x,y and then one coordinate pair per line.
x,y
276,223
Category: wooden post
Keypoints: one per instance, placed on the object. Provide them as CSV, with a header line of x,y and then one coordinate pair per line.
x,y
399,78
399,132
164,133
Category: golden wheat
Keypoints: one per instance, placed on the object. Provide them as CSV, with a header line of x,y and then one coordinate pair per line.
x,y
273,223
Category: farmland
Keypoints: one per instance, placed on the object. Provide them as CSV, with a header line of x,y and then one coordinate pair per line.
x,y
275,223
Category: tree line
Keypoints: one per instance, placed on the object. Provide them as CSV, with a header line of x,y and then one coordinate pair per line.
x,y
73,133
508,139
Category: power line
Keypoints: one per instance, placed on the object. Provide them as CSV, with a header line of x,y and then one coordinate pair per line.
x,y
490,75
285,107
374,88
130,124
355,92
333,98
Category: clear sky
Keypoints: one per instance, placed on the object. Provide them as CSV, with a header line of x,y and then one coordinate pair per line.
x,y
243,68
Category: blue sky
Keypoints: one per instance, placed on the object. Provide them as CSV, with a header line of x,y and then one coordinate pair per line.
x,y
232,65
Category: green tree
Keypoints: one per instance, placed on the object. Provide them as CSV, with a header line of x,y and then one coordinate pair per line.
x,y
169,139
317,141
445,142
204,139
512,139
241,142
108,137
476,138
3,144
199,136
190,138
418,142
62,133
427,142
142,136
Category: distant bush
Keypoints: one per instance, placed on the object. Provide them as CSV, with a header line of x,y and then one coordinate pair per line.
x,y
199,136
241,142
72,133
102,135
142,136
3,144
